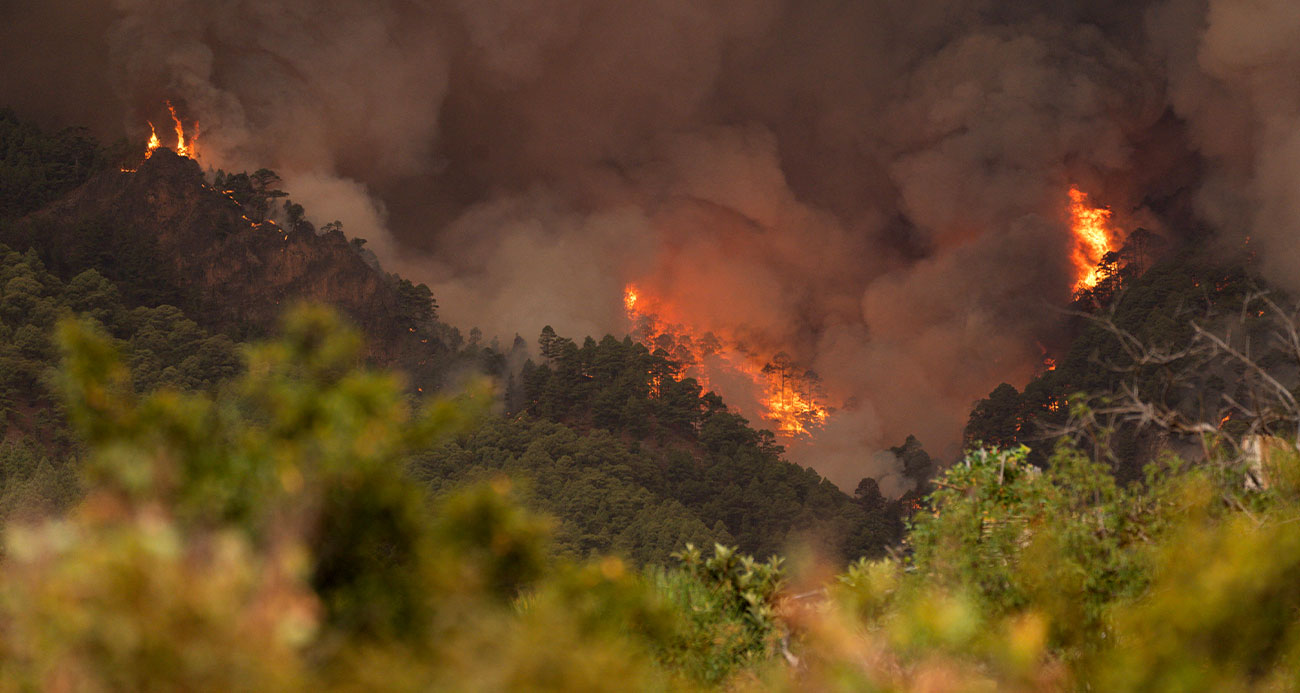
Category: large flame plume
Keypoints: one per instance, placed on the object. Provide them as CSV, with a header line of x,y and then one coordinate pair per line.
x,y
1094,238
788,398
182,147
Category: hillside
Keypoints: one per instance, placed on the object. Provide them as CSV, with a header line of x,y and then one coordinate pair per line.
x,y
940,346
167,234
1160,356
670,465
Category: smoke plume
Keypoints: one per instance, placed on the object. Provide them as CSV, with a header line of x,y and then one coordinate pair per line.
x,y
877,189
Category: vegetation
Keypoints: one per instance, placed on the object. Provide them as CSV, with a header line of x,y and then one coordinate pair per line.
x,y
633,415
1063,579
38,168
271,536
162,346
186,512
1145,347
634,461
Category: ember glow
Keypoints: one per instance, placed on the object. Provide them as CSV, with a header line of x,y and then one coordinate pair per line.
x,y
1093,238
788,398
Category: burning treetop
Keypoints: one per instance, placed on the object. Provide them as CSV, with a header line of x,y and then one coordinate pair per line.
x,y
1094,237
185,147
788,397
181,147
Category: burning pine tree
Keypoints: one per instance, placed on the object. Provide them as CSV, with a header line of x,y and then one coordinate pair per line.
x,y
787,397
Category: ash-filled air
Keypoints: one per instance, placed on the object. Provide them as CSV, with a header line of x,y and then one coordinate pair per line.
x,y
878,189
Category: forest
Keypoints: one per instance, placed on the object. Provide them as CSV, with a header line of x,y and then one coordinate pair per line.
x,y
294,475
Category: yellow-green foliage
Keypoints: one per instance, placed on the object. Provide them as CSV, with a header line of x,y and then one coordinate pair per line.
x,y
1223,611
1060,580
111,600
268,538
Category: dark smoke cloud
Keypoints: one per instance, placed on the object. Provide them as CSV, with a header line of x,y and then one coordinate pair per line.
x,y
1236,86
876,188
52,60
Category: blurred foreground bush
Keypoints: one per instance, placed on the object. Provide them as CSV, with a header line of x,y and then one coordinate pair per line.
x,y
1021,579
268,537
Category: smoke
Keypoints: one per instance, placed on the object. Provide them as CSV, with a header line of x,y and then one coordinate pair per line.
x,y
877,189
336,99
1236,86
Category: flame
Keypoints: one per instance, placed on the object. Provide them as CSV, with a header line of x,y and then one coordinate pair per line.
x,y
787,397
154,142
794,413
1093,238
182,148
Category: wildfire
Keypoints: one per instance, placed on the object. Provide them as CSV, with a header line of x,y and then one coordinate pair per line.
x,y
793,413
154,142
182,148
149,148
1093,238
787,395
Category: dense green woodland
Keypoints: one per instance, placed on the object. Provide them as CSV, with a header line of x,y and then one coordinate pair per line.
x,y
194,504
164,349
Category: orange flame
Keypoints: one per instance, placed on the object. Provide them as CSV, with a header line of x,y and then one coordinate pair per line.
x,y
794,413
154,142
1093,238
182,148
149,148
788,398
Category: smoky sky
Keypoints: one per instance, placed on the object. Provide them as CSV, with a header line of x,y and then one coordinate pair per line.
x,y
877,188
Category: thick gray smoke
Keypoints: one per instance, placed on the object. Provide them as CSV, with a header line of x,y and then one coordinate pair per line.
x,y
1237,88
876,188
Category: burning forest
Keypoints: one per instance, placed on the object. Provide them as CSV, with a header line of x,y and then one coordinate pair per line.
x,y
184,147
1094,239
456,345
774,389
783,396
851,246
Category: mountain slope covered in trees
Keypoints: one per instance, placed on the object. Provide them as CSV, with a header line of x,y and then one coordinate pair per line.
x,y
624,466
1180,346
191,507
